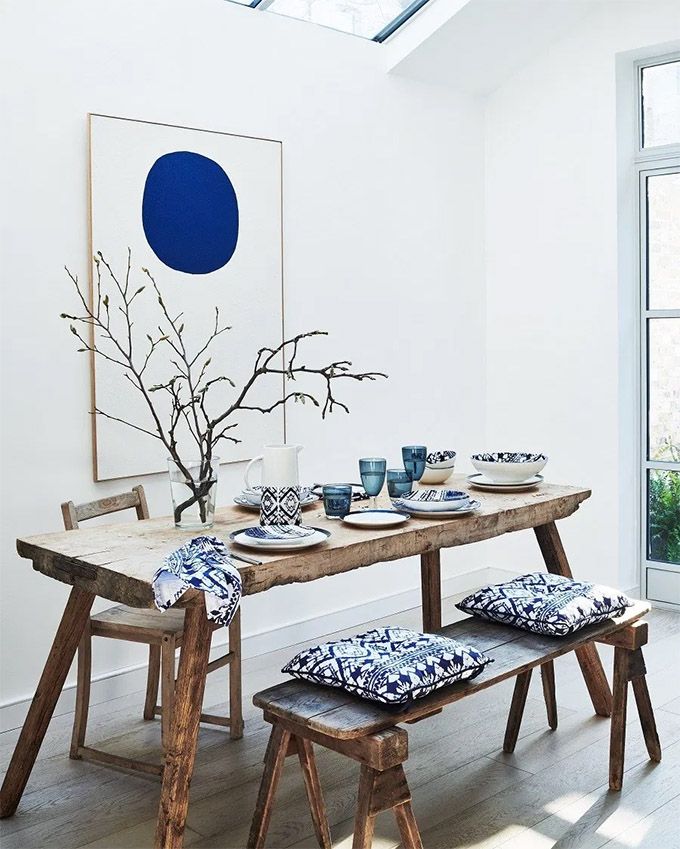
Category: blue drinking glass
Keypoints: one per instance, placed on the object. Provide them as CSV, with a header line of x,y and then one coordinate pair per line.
x,y
372,471
337,500
414,457
398,482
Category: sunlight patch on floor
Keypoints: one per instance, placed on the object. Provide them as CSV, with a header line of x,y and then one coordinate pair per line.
x,y
567,800
626,827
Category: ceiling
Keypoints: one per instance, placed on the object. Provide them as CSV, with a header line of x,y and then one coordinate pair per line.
x,y
485,41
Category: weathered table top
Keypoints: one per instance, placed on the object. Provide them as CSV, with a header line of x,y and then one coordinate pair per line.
x,y
118,561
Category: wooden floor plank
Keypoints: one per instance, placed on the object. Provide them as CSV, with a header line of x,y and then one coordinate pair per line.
x,y
598,817
520,807
659,830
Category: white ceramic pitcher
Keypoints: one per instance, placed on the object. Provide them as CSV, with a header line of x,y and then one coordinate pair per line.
x,y
279,466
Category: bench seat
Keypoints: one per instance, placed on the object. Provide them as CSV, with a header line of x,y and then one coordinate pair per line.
x,y
302,714
340,715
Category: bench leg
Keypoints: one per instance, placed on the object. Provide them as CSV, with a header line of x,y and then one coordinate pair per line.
x,y
629,666
589,660
383,791
617,737
282,744
408,828
548,682
519,698
314,795
647,721
73,622
277,749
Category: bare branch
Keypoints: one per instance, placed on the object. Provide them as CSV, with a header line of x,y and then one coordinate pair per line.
x,y
189,389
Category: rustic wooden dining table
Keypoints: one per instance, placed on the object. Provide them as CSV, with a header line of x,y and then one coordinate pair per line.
x,y
118,561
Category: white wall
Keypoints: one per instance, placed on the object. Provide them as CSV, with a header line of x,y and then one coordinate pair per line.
x,y
560,375
383,218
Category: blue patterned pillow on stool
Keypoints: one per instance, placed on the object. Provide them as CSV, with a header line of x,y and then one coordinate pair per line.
x,y
388,665
546,604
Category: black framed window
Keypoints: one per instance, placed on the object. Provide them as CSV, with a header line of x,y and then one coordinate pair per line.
x,y
376,20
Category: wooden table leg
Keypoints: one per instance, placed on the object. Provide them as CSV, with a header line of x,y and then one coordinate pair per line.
x,y
235,684
589,660
181,751
73,621
431,585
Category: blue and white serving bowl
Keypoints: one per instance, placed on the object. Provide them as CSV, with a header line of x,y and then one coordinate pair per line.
x,y
438,466
509,466
434,500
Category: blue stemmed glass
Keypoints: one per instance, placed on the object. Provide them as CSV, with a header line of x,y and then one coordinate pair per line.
x,y
414,457
398,482
372,471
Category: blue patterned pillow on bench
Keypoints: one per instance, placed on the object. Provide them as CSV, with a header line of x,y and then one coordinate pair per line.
x,y
546,604
388,665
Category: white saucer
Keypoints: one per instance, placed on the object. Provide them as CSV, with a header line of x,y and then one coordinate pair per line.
x,y
472,507
480,481
376,518
320,535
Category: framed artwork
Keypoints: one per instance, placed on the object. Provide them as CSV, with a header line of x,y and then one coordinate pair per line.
x,y
202,211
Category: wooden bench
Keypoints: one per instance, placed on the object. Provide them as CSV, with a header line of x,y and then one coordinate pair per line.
x,y
302,714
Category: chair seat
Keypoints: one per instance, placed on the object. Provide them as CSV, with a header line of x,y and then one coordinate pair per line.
x,y
138,624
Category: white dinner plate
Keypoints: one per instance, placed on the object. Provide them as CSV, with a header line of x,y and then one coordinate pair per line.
x,y
376,518
472,507
320,535
480,481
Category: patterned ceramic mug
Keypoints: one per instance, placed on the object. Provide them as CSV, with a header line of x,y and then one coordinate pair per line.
x,y
280,505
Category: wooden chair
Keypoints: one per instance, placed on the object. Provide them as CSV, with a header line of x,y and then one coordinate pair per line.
x,y
162,632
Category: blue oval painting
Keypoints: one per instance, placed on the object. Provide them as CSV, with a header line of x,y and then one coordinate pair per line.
x,y
190,212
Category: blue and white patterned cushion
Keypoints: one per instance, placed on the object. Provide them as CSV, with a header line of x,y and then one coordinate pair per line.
x,y
546,604
388,665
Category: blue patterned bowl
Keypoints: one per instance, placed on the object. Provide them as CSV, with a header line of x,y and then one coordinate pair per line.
x,y
435,500
509,466
439,467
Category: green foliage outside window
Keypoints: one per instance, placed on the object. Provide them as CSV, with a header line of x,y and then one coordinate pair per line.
x,y
664,511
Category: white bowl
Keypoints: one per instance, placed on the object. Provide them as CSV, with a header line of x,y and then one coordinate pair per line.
x,y
439,470
436,474
509,466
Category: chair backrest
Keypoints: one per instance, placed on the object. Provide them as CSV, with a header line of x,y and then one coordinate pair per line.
x,y
73,514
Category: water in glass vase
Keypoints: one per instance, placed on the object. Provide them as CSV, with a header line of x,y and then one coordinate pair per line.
x,y
194,488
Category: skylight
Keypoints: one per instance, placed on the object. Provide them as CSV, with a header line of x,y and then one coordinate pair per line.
x,y
374,19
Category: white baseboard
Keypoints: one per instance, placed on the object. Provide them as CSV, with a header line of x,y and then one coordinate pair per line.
x,y
131,679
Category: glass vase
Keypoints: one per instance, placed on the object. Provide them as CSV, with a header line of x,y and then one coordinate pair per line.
x,y
193,488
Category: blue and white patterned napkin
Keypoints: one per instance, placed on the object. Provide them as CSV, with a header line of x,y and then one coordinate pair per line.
x,y
203,563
